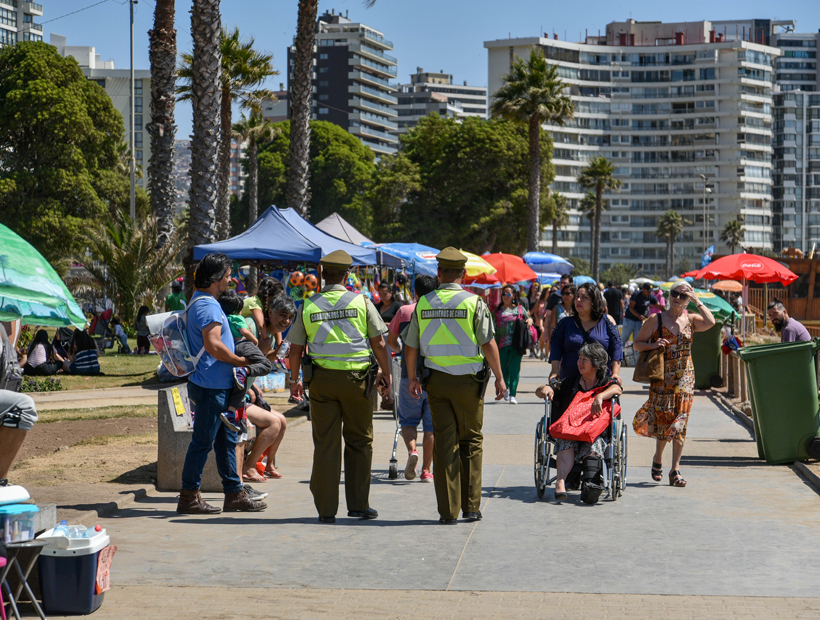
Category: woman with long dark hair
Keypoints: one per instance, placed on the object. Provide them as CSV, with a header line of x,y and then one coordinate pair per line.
x,y
83,356
506,314
41,359
255,311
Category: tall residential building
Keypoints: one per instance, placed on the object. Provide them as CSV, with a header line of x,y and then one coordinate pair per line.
x,y
117,83
684,114
796,191
276,110
17,22
351,82
238,175
434,93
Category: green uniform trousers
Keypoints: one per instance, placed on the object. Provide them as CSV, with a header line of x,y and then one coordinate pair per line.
x,y
339,409
458,413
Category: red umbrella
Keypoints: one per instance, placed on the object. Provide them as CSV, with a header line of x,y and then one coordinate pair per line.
x,y
482,278
510,268
747,267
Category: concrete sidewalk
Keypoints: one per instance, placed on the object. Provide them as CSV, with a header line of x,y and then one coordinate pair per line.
x,y
741,530
103,397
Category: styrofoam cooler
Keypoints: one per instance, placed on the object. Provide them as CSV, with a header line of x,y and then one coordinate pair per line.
x,y
68,573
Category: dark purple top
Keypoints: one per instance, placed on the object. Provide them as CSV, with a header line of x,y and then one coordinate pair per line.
x,y
567,340
794,331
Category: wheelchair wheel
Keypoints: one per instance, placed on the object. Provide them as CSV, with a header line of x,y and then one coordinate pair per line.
x,y
623,445
614,472
539,464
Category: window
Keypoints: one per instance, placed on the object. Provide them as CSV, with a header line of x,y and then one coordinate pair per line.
x,y
7,37
138,122
323,111
322,56
8,17
138,139
99,82
138,105
323,97
137,87
323,83
138,155
324,69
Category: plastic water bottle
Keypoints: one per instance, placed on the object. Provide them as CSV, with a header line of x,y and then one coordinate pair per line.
x,y
61,529
76,531
92,531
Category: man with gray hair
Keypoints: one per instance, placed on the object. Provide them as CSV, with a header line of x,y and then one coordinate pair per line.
x,y
791,330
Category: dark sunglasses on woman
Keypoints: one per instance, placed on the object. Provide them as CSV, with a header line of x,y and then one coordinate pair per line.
x,y
678,295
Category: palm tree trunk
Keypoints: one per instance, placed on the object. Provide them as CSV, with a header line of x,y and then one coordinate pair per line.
x,y
162,129
555,235
253,201
206,30
301,89
535,184
596,241
670,255
223,196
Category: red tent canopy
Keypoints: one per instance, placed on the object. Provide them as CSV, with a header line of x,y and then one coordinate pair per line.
x,y
747,267
510,268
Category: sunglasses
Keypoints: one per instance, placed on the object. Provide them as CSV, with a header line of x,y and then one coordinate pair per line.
x,y
563,294
506,294
677,295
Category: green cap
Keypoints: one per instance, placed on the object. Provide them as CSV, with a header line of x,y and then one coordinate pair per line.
x,y
338,260
450,258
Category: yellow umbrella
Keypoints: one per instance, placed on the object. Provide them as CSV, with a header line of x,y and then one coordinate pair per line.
x,y
477,265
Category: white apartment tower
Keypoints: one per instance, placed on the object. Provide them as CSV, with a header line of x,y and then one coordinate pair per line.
x,y
683,113
17,22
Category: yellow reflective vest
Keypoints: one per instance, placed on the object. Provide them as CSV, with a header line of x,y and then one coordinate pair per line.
x,y
336,327
447,338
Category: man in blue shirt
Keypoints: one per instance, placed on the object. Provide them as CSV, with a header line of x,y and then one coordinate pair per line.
x,y
209,388
636,311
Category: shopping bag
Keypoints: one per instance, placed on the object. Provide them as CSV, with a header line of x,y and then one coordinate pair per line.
x,y
578,423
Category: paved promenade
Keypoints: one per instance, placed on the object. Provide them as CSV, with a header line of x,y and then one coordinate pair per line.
x,y
730,545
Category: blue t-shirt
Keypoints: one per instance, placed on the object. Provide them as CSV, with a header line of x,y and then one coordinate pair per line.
x,y
210,372
567,340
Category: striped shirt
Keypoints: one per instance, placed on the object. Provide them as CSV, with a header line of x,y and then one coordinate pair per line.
x,y
86,363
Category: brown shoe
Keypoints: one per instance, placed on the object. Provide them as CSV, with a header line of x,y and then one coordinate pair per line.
x,y
191,503
240,502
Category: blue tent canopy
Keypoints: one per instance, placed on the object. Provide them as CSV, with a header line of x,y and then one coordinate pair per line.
x,y
541,262
284,235
420,259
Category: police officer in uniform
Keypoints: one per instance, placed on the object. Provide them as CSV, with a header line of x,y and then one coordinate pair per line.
x,y
453,331
343,331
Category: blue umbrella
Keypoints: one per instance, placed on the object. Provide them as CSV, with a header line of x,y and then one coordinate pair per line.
x,y
579,280
420,259
543,263
544,278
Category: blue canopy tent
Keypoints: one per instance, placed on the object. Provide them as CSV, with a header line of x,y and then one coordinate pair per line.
x,y
283,235
420,259
543,263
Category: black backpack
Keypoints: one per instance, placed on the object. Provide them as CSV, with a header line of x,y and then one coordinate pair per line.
x,y
11,376
522,337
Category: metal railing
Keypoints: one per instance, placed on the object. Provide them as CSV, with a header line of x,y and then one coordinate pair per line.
x,y
364,103
376,93
379,39
374,65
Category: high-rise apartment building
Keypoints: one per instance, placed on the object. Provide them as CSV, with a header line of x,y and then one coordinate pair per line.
x,y
684,112
435,93
796,191
238,174
17,22
351,81
117,83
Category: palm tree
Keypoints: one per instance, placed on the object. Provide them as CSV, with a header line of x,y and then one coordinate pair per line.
x,y
587,209
598,177
244,70
533,94
733,233
560,218
670,225
162,129
253,130
206,68
124,262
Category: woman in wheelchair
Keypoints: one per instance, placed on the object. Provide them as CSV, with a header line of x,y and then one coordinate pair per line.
x,y
594,375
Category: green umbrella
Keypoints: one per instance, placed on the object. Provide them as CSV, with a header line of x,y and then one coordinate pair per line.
x,y
30,289
716,304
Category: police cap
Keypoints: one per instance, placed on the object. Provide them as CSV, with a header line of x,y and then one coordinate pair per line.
x,y
338,260
450,258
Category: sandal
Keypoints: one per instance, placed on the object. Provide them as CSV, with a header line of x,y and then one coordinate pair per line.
x,y
254,477
273,474
657,471
675,479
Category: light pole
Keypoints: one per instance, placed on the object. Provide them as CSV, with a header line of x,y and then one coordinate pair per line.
x,y
133,211
706,190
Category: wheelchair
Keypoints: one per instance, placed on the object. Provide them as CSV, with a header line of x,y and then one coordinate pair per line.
x,y
613,465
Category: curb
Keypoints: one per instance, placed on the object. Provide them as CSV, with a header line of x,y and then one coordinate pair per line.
x,y
744,419
812,479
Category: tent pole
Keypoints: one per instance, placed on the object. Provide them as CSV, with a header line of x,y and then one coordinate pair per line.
x,y
319,288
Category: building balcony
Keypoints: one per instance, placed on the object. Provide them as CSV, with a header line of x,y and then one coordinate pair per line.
x,y
378,148
33,8
371,119
34,27
366,50
378,40
358,89
364,130
371,79
369,105
379,68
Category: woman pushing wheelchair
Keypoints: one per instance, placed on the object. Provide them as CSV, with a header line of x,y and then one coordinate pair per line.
x,y
582,436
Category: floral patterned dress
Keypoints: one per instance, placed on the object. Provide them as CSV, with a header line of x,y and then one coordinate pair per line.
x,y
665,414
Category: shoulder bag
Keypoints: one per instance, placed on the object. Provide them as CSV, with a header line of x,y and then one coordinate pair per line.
x,y
523,336
649,367
578,424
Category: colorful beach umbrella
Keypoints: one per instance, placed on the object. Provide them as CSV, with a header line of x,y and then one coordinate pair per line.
x,y
750,267
476,265
510,268
544,263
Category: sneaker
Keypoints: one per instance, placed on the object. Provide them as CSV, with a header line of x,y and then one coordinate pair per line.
x,y
426,476
252,493
513,401
240,376
410,468
4,482
507,395
229,419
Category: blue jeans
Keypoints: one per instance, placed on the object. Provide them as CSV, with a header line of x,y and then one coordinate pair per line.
x,y
209,431
630,327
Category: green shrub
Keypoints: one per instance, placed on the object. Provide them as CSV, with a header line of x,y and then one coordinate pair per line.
x,y
41,384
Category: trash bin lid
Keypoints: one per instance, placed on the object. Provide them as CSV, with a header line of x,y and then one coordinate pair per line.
x,y
753,352
16,509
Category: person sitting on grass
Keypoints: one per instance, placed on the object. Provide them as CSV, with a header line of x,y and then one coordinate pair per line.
x,y
41,359
119,334
83,356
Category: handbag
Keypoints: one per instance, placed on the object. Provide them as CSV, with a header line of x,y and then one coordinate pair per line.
x,y
523,335
578,424
650,366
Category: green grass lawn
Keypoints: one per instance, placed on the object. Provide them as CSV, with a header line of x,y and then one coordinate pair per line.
x,y
97,413
118,371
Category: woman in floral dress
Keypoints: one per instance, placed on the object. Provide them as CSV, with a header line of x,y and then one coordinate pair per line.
x,y
665,414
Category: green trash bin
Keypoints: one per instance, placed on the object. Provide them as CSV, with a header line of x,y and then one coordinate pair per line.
x,y
706,357
782,382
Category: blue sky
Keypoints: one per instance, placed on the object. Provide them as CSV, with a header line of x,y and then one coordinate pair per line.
x,y
434,34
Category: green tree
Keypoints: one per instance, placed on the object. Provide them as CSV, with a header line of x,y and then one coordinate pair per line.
x,y
253,130
244,70
206,68
670,225
460,183
597,176
60,139
560,217
162,128
619,273
123,263
580,266
733,233
342,172
532,94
